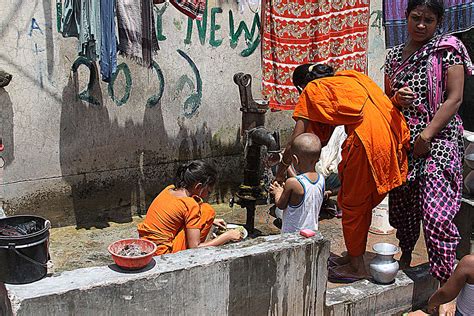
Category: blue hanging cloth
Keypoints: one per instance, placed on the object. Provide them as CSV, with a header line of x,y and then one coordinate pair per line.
x,y
108,49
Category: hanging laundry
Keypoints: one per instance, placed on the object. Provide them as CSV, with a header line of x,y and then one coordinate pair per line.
x,y
89,37
81,19
59,16
458,17
71,18
312,31
5,78
108,49
136,28
192,8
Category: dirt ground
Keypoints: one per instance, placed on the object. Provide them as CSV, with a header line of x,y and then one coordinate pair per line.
x,y
73,248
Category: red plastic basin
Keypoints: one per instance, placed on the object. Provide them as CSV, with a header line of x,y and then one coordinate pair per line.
x,y
132,263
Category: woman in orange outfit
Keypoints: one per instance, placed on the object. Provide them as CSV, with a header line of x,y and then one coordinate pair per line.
x,y
178,219
374,159
206,221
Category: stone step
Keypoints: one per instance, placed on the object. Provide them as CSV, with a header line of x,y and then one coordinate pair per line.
x,y
410,291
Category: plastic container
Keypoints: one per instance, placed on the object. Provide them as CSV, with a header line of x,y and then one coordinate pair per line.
x,y
307,233
23,259
380,224
135,262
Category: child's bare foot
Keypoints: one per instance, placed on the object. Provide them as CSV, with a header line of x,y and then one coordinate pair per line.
x,y
448,309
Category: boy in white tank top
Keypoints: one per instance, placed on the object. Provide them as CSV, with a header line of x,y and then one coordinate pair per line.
x,y
301,197
461,285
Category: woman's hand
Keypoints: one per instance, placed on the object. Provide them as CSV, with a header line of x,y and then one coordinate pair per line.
x,y
327,194
404,97
233,235
272,159
219,222
281,173
422,146
431,309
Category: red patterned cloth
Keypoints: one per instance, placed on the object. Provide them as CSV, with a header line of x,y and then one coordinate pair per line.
x,y
192,8
310,31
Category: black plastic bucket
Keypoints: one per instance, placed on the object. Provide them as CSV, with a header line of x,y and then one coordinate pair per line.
x,y
23,259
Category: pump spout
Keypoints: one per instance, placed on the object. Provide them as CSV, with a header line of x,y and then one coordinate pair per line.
x,y
256,138
260,136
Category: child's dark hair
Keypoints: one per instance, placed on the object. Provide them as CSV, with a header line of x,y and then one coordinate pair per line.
x,y
306,73
436,6
194,172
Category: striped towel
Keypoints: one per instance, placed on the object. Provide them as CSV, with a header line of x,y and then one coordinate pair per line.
x,y
192,8
137,35
458,17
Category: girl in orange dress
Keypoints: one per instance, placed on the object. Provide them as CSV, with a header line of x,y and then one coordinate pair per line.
x,y
178,219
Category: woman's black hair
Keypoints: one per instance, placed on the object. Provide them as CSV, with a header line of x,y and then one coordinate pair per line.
x,y
306,73
436,6
194,172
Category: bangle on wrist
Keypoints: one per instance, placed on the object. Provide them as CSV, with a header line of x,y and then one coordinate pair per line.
x,y
394,101
425,139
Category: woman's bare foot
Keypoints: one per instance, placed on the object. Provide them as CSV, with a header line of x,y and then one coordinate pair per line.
x,y
405,260
350,272
346,274
339,261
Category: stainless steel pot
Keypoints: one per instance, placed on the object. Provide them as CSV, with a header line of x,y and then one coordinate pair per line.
x,y
384,267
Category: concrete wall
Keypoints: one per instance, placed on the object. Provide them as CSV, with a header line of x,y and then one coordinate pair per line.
x,y
79,163
76,162
376,49
277,275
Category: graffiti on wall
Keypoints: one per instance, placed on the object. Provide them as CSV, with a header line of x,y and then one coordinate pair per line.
x,y
36,37
191,104
34,26
377,20
207,28
216,38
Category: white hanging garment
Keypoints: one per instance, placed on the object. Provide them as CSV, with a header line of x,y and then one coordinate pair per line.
x,y
331,153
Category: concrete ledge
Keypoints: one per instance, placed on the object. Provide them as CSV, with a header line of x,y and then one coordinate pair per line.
x,y
409,291
278,275
366,298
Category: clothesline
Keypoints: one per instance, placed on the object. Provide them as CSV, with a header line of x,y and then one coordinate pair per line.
x,y
94,23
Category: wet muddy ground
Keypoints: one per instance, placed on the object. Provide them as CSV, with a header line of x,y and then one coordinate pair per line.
x,y
73,248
